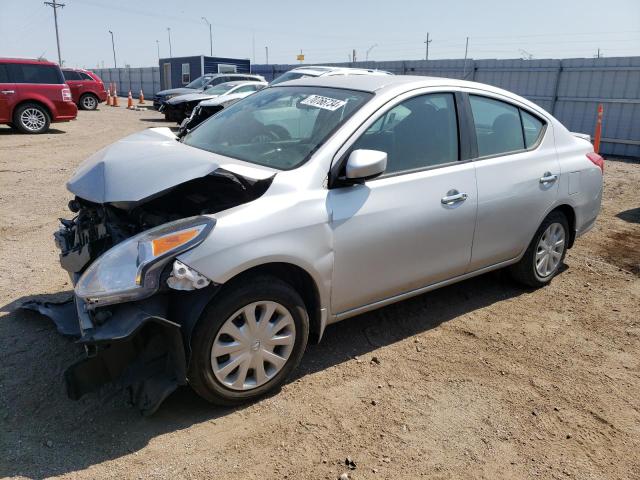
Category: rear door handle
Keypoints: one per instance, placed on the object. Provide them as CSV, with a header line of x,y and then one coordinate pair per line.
x,y
7,92
548,177
453,197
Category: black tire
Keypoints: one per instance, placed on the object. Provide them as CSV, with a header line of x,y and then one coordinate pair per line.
x,y
228,301
525,270
24,126
88,101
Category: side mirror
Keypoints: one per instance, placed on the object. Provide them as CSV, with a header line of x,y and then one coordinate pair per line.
x,y
366,164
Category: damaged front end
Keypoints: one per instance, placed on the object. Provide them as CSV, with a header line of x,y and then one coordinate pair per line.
x,y
134,303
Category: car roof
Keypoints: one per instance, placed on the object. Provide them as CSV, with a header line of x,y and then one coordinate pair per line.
x,y
236,83
375,83
320,70
31,61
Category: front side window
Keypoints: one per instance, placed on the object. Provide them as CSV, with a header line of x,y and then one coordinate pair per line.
x,y
277,127
418,133
4,74
497,125
186,73
198,82
31,73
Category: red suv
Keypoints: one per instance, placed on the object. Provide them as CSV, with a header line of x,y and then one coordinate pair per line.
x,y
33,94
87,89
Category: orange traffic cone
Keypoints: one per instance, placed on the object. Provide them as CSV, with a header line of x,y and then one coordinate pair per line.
x,y
141,99
130,101
115,97
109,97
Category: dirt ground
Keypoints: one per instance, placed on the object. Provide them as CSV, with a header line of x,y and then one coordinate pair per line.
x,y
482,379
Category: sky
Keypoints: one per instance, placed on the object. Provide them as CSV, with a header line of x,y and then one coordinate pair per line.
x,y
325,31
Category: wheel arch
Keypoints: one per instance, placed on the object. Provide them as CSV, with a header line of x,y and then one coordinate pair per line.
x,y
39,102
570,214
299,279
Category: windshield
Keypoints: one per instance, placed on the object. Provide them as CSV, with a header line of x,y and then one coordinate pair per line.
x,y
219,89
285,77
198,82
277,127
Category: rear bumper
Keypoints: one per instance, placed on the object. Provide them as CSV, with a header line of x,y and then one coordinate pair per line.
x,y
102,96
65,111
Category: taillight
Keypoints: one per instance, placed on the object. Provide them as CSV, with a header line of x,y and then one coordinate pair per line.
x,y
66,95
597,160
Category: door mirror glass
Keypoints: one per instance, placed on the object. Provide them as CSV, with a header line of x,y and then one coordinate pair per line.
x,y
366,164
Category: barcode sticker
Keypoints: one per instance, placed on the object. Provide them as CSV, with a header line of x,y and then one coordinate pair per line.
x,y
325,103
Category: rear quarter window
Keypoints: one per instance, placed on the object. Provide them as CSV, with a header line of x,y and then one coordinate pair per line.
x,y
86,76
32,73
532,128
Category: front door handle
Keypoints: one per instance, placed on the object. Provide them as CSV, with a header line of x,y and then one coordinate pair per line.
x,y
548,177
7,92
453,197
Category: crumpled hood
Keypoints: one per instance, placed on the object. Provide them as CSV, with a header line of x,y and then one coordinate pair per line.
x,y
146,163
189,97
224,98
176,91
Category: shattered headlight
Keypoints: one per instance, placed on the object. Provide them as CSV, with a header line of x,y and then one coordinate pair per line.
x,y
131,269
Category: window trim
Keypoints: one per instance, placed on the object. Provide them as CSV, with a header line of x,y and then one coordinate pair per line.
x,y
494,96
341,155
188,73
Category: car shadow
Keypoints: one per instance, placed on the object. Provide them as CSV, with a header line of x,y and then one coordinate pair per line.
x,y
45,434
632,215
155,120
9,131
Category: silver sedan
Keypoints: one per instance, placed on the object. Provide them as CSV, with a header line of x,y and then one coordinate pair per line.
x,y
305,204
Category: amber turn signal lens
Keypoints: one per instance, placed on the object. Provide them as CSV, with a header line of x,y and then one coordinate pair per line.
x,y
169,242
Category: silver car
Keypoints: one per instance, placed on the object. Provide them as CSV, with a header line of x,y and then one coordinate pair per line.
x,y
213,260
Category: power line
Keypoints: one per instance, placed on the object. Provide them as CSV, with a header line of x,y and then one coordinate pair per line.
x,y
55,7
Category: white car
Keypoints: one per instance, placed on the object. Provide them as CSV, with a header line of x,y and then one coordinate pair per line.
x,y
322,71
180,107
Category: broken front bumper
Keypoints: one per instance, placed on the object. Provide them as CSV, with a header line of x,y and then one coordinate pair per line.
x,y
131,346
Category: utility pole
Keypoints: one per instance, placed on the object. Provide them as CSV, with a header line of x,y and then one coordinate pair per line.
x,y
427,42
353,56
210,37
158,45
253,46
169,33
464,68
266,51
598,54
113,46
55,7
366,57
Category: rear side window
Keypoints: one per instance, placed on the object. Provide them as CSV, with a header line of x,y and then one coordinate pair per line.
x,y
497,125
418,133
532,128
31,73
4,75
70,75
246,88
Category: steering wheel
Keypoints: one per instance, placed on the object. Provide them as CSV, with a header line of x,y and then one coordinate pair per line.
x,y
271,132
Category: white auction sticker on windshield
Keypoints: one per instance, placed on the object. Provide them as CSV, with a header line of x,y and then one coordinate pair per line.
x,y
325,103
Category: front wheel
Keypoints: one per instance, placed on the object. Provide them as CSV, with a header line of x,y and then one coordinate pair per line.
x,y
248,341
545,253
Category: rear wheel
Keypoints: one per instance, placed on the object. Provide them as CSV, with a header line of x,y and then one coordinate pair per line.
x,y
545,253
31,118
248,341
88,102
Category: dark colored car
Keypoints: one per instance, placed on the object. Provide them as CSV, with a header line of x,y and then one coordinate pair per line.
x,y
200,83
33,94
87,88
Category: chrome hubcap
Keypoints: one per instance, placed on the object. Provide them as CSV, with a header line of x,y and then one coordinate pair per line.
x,y
550,249
253,345
89,102
33,119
